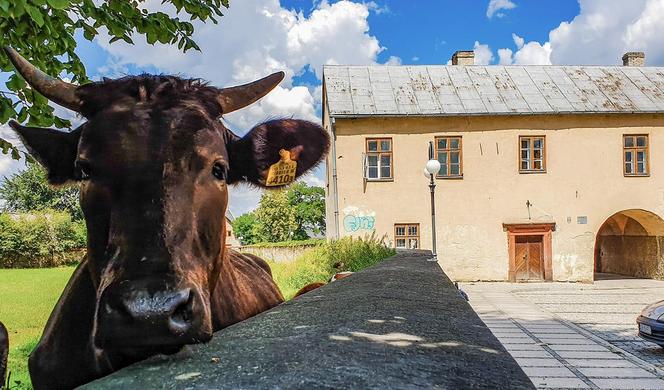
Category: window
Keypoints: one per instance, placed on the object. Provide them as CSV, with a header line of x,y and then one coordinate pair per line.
x,y
407,236
532,157
448,153
635,155
378,160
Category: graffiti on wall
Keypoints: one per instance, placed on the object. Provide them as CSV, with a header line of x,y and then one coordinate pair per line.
x,y
356,220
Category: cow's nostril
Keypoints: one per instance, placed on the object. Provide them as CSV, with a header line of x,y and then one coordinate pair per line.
x,y
180,320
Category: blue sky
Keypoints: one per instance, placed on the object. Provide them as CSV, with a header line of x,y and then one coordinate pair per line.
x,y
257,37
421,31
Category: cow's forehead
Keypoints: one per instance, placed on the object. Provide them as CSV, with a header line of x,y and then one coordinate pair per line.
x,y
144,133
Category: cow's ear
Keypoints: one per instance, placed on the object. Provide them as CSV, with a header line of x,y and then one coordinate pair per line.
x,y
55,150
252,155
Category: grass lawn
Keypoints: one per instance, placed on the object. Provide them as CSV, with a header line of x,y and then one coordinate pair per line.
x,y
27,297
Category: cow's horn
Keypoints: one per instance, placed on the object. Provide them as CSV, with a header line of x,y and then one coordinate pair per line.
x,y
234,98
58,91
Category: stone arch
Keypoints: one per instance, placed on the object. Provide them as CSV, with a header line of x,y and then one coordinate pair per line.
x,y
631,242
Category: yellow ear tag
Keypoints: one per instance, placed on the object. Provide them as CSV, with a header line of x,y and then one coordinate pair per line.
x,y
283,172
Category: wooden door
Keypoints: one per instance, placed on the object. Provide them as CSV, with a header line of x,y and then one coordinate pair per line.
x,y
529,258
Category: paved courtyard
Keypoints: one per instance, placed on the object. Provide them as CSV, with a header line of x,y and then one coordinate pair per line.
x,y
573,335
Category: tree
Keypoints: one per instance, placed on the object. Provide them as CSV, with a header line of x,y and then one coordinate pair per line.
x,y
43,32
29,191
244,228
309,204
276,217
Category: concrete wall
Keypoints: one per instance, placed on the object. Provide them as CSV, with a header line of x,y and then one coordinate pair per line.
x,y
371,330
584,179
276,254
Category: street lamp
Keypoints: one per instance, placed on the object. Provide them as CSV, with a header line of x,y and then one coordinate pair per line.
x,y
432,168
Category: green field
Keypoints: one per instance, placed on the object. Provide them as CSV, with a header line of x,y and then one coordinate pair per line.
x,y
27,296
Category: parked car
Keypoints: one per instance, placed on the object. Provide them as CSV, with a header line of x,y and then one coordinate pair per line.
x,y
651,323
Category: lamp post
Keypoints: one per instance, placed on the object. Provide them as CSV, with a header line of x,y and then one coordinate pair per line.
x,y
432,167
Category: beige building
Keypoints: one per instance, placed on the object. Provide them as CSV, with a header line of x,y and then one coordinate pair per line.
x,y
547,172
231,239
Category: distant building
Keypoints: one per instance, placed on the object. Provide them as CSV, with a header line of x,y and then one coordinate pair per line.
x,y
231,240
547,172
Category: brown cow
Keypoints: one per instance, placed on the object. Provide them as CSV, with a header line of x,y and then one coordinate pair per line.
x,y
4,353
154,163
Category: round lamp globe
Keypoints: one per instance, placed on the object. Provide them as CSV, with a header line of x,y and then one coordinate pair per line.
x,y
432,167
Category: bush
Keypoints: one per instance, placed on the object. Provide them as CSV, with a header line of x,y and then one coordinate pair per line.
x,y
45,239
320,263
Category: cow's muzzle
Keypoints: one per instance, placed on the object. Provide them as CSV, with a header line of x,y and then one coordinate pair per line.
x,y
133,316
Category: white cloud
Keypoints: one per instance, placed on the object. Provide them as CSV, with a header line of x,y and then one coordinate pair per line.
x,y
497,5
256,38
533,53
379,10
518,41
505,56
9,166
393,60
296,102
313,180
483,54
602,32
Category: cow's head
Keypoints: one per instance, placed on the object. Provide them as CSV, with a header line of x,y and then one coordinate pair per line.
x,y
154,163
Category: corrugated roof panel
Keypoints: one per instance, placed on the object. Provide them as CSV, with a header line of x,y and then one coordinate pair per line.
x,y
424,93
403,91
487,90
528,90
507,89
647,87
567,87
591,95
481,90
656,76
610,86
547,86
635,95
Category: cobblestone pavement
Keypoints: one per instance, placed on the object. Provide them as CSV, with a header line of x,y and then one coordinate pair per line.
x,y
572,335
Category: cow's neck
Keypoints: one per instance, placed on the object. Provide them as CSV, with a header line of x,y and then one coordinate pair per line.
x,y
244,289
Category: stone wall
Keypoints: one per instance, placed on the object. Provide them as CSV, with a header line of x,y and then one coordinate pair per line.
x,y
640,256
276,254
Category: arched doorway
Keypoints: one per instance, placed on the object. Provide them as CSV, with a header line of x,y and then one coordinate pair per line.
x,y
631,243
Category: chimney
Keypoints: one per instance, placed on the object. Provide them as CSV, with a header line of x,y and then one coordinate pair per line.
x,y
634,58
463,57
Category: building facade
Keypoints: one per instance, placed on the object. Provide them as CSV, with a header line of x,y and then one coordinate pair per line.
x,y
547,172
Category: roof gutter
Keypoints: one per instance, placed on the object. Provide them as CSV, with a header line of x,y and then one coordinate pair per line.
x,y
457,114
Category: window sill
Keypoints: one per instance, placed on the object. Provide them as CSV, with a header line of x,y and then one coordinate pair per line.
x,y
636,175
458,177
379,180
532,172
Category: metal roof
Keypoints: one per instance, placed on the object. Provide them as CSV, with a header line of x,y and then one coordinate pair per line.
x,y
438,90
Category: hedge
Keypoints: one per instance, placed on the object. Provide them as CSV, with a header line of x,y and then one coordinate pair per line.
x,y
45,239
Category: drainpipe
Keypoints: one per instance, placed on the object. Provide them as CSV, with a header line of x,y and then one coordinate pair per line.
x,y
335,194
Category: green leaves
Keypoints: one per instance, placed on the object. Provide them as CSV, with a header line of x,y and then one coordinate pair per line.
x,y
289,214
43,31
29,191
58,4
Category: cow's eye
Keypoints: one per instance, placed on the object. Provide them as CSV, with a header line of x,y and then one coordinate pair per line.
x,y
82,170
219,171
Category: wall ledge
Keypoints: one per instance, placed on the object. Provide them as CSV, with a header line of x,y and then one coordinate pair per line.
x,y
399,324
